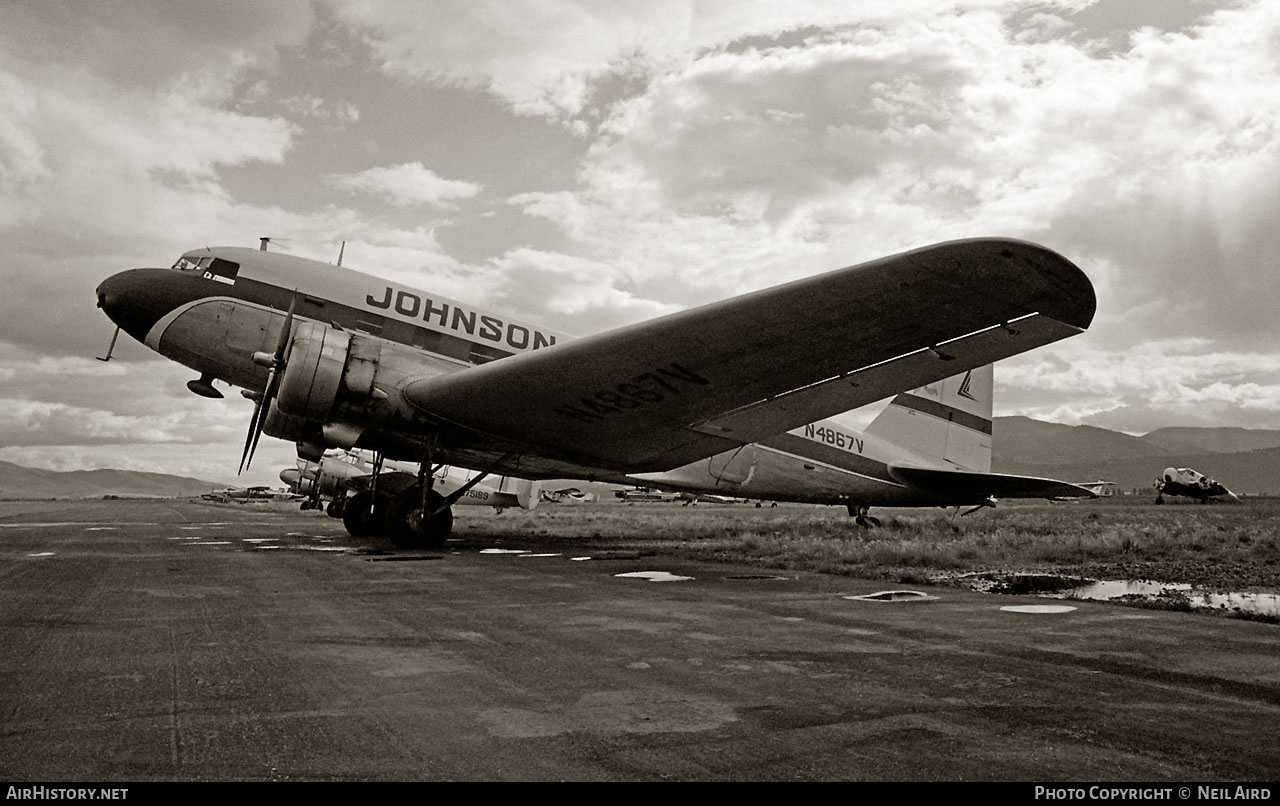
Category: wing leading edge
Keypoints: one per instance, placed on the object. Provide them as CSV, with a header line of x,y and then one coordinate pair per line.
x,y
671,390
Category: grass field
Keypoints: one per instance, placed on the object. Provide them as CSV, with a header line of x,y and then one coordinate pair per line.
x,y
1225,547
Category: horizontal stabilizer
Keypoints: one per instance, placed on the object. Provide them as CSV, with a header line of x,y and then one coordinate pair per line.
x,y
969,487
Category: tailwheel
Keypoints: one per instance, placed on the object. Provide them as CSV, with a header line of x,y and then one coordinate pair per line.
x,y
364,514
407,524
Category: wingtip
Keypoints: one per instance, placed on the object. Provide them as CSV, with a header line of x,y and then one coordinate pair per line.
x,y
1056,285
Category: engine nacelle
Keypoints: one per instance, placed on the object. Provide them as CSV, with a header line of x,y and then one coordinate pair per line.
x,y
284,426
333,379
313,371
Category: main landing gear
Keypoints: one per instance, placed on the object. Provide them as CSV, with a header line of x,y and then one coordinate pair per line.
x,y
418,518
409,518
406,509
860,516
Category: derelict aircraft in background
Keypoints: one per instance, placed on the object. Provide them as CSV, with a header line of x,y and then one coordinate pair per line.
x,y
728,398
256,493
349,477
1190,483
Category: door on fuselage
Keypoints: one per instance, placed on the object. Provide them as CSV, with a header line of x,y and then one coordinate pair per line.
x,y
733,467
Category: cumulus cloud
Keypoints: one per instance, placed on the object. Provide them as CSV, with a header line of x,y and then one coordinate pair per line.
x,y
313,106
410,183
67,413
1155,166
551,58
1183,381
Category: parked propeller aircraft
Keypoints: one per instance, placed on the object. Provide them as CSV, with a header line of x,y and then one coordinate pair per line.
x,y
341,472
568,495
1189,483
728,398
646,495
258,493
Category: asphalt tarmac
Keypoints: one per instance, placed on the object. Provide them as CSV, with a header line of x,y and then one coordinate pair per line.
x,y
172,640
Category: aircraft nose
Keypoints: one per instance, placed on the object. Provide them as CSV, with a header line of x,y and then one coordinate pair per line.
x,y
134,300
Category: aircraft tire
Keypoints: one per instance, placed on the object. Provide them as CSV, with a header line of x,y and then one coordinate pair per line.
x,y
336,508
406,527
364,514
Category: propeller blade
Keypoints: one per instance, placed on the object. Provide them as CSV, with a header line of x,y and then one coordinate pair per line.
x,y
247,453
286,331
262,407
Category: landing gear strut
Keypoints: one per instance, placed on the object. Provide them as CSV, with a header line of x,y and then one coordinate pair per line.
x,y
860,516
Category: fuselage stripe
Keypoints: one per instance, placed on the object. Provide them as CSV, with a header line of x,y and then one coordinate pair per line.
x,y
348,318
943,412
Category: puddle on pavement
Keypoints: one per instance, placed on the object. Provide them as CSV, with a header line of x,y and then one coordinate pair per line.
x,y
655,576
1038,609
894,596
1174,593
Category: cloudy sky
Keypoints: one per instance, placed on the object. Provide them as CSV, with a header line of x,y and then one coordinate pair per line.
x,y
587,164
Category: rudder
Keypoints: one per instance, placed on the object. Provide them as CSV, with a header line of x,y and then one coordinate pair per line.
x,y
948,421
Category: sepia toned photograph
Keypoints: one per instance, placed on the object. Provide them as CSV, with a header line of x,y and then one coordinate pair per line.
x,y
555,390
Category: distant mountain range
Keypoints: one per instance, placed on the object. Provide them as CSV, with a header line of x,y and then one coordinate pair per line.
x,y
28,482
1244,460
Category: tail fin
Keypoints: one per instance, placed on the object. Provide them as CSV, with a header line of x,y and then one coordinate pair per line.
x,y
949,421
527,493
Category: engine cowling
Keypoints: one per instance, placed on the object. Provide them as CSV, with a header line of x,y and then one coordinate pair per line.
x,y
336,383
284,426
313,371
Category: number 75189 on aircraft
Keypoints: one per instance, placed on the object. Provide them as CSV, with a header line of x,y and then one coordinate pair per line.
x,y
729,398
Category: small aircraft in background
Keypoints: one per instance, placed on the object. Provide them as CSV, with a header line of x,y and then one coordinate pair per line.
x,y
244,494
1190,483
646,495
691,499
569,495
1100,489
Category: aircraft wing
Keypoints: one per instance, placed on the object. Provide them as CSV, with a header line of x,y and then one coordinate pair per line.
x,y
971,487
671,390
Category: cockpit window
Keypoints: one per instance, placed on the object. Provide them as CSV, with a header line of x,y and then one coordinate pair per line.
x,y
193,263
213,268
